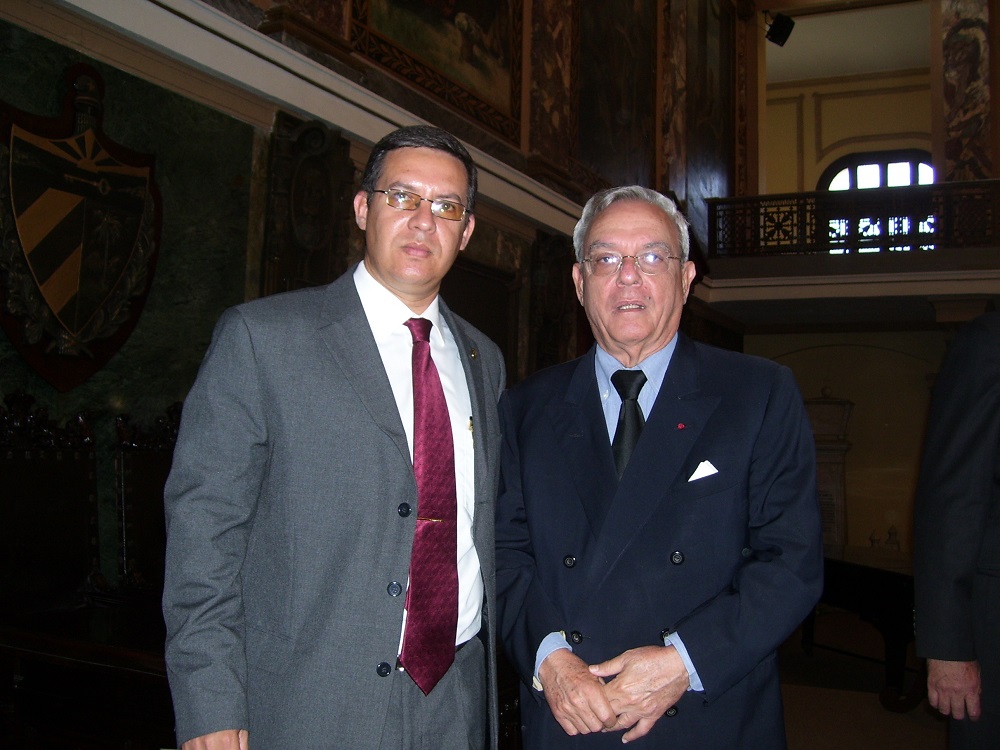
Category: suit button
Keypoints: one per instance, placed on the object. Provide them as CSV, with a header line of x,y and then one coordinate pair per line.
x,y
394,589
745,552
569,561
677,558
383,669
576,637
404,509
672,711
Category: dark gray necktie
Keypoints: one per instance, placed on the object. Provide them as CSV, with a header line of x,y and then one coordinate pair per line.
x,y
628,383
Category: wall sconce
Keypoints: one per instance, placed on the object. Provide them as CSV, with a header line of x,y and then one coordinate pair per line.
x,y
779,28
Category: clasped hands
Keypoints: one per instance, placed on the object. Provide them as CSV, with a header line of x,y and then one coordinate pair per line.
x,y
646,682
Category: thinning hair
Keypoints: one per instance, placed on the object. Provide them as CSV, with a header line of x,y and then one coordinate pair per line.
x,y
420,136
600,201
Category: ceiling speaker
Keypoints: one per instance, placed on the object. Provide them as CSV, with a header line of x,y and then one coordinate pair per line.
x,y
780,29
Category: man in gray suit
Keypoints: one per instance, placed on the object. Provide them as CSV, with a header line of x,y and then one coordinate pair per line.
x,y
292,503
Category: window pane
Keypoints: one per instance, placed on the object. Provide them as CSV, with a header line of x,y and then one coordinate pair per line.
x,y
838,230
925,174
842,181
899,225
869,176
898,174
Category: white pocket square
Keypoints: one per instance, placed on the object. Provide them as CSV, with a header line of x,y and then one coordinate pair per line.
x,y
705,469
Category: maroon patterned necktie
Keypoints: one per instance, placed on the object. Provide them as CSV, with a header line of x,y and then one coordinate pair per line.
x,y
432,596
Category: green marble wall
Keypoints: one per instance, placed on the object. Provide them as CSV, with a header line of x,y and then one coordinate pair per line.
x,y
203,170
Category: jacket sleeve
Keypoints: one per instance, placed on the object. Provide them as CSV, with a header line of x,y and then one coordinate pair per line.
x,y
526,613
210,500
781,577
957,493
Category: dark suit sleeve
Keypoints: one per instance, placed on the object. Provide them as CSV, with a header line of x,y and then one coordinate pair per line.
x,y
526,613
210,499
957,493
781,577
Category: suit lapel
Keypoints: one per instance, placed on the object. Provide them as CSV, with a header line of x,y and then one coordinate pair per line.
x,y
663,451
472,364
483,400
581,437
344,330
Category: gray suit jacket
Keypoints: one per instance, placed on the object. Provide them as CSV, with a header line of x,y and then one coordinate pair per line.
x,y
282,522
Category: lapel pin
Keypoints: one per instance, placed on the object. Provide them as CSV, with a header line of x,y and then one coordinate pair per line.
x,y
473,352
681,426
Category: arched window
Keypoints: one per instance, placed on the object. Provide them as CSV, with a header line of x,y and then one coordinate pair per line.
x,y
888,230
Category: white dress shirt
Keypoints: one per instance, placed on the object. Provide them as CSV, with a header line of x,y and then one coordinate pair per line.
x,y
387,315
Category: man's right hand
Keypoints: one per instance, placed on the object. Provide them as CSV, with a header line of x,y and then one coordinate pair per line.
x,y
953,687
227,739
575,696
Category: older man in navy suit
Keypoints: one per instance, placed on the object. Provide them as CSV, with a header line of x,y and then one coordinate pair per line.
x,y
658,532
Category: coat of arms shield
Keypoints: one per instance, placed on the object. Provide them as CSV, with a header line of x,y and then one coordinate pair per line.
x,y
79,221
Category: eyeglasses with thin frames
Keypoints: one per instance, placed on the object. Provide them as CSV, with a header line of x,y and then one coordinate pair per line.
x,y
609,264
443,208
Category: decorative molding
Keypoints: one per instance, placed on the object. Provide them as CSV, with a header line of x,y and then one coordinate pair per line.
x,y
854,95
192,35
282,20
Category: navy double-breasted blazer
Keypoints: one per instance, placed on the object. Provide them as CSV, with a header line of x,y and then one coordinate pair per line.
x,y
731,561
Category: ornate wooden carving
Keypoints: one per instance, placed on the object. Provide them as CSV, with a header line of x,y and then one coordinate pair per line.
x,y
439,24
311,184
555,311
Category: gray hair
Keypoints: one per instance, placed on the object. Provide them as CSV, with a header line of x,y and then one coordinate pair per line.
x,y
602,200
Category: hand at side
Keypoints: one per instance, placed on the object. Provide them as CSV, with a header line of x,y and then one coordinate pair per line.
x,y
953,688
227,739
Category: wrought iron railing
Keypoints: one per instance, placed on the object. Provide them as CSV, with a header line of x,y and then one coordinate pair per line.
x,y
886,220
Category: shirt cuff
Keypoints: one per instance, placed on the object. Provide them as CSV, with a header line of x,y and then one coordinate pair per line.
x,y
673,639
551,642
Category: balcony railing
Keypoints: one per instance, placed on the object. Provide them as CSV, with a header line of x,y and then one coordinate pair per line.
x,y
887,220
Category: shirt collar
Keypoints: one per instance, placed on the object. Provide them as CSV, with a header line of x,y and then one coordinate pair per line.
x,y
385,311
654,366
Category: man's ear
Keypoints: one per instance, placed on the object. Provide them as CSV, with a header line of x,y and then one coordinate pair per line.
x,y
578,280
689,271
361,209
467,232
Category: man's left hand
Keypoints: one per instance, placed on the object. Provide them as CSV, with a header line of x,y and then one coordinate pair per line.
x,y
647,681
